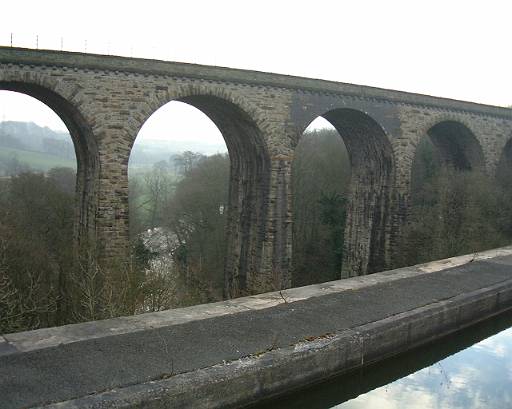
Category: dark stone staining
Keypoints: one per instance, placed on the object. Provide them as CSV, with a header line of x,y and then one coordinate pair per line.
x,y
504,168
371,157
281,258
248,194
306,107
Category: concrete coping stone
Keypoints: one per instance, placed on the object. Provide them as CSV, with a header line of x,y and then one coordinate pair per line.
x,y
245,381
55,336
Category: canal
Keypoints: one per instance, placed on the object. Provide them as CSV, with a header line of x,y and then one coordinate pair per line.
x,y
467,370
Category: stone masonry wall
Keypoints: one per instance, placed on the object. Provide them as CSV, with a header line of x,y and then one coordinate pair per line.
x,y
104,101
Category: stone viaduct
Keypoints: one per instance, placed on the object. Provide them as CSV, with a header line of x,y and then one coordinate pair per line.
x,y
105,100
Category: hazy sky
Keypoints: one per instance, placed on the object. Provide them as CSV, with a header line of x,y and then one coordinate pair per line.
x,y
450,48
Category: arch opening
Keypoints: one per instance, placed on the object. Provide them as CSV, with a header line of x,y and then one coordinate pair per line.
x,y
38,214
454,204
366,196
87,158
320,183
457,146
248,192
213,201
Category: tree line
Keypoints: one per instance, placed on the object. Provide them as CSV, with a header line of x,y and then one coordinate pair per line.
x,y
178,217
178,214
36,228
455,212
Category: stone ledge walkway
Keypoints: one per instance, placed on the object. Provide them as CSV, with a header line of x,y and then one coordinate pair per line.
x,y
114,363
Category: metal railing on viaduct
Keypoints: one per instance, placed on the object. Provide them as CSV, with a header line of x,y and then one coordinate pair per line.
x,y
105,100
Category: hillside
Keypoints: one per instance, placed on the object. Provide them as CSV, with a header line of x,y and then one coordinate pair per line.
x,y
34,160
26,145
30,135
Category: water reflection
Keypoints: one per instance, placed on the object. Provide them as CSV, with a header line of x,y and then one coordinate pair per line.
x,y
477,377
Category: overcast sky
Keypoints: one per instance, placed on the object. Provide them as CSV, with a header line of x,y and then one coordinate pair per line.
x,y
450,48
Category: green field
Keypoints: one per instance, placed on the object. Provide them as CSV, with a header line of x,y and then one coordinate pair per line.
x,y
35,160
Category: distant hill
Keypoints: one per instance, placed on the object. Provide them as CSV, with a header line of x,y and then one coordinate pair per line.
x,y
22,159
151,151
28,136
30,146
26,145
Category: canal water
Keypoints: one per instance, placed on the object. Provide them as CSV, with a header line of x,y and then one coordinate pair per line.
x,y
468,370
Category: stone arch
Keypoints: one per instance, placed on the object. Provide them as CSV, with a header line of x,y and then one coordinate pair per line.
x,y
457,147
193,93
456,142
61,99
372,165
249,184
